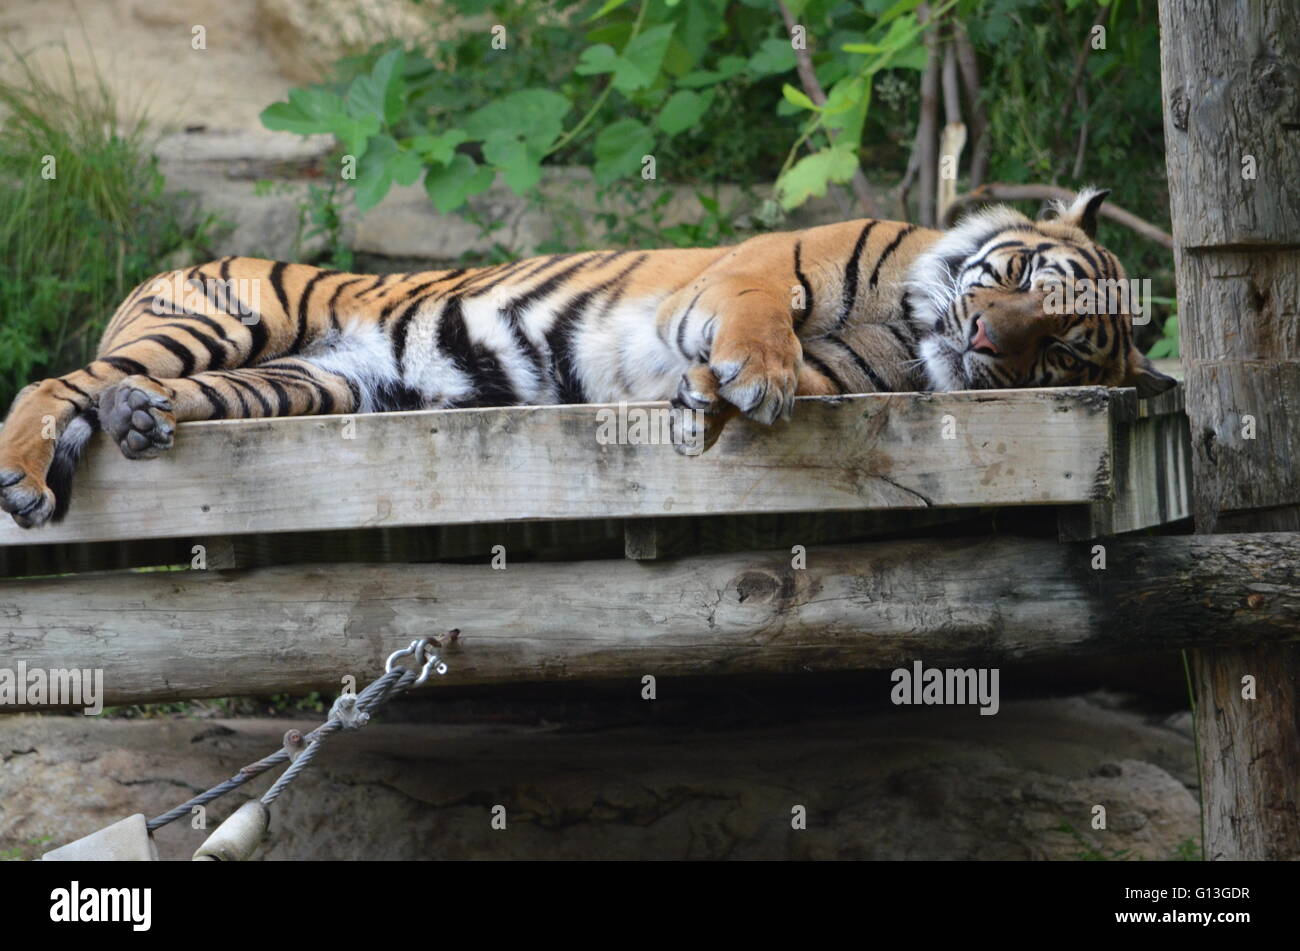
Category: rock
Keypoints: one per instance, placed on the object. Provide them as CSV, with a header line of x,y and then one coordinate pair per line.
x,y
306,37
146,54
924,784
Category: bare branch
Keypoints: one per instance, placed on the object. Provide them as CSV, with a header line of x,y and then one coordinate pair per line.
x,y
951,96
927,127
970,77
1082,148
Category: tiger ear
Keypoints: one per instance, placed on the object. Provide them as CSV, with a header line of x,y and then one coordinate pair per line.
x,y
1144,377
1083,211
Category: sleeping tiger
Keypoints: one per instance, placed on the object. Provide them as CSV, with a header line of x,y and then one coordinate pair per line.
x,y
856,307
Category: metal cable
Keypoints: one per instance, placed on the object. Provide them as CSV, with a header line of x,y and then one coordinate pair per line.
x,y
352,714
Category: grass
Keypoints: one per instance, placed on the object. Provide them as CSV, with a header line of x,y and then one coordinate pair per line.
x,y
83,217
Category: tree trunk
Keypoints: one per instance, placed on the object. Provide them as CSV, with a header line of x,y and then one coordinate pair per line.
x,y
1232,137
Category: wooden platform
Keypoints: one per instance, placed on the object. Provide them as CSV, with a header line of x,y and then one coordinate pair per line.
x,y
871,452
1096,462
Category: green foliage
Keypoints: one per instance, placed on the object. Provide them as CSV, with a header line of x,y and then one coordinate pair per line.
x,y
83,219
654,77
715,79
1167,345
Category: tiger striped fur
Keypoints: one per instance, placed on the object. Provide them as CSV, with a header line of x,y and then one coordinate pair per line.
x,y
855,307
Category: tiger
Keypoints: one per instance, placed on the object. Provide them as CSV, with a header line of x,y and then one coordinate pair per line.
x,y
853,307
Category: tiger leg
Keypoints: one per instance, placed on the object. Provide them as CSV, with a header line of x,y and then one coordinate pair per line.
x,y
174,325
740,325
39,429
140,413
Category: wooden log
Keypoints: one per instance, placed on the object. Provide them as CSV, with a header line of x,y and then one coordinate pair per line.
x,y
878,451
1232,141
981,601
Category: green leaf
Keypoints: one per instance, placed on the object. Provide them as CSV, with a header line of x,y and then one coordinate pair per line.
x,y
309,111
620,148
608,7
313,111
374,177
846,107
382,92
682,110
520,165
700,78
638,64
730,66
597,60
534,115
798,98
774,56
516,132
449,186
438,149
812,173
405,167
636,67
354,133
897,10
910,59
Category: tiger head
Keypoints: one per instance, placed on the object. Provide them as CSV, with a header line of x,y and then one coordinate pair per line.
x,y
1002,301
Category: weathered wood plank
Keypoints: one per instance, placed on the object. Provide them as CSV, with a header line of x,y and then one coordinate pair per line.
x,y
642,539
1153,472
879,451
170,635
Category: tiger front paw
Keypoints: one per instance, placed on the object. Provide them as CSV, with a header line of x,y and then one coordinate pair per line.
x,y
699,412
758,374
137,414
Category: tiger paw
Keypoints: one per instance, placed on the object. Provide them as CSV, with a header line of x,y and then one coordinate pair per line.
x,y
137,415
28,499
758,376
698,412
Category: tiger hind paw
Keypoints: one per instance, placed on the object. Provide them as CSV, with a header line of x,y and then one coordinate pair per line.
x,y
137,414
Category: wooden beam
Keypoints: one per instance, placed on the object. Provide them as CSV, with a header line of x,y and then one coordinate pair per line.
x,y
1232,142
642,539
879,451
974,601
1153,472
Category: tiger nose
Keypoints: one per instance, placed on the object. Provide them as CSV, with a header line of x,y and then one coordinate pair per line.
x,y
980,339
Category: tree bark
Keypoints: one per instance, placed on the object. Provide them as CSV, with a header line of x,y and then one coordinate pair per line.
x,y
1232,136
